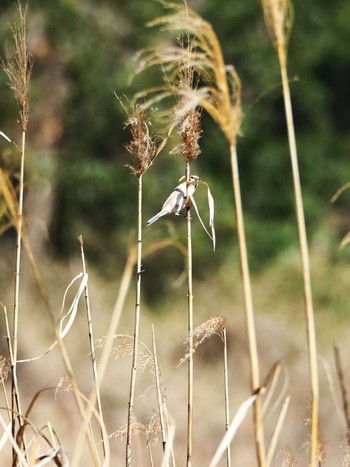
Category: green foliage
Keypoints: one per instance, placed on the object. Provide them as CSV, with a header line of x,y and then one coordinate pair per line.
x,y
84,53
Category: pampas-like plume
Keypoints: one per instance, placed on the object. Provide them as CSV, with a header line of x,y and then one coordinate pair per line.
x,y
220,96
279,18
143,149
19,65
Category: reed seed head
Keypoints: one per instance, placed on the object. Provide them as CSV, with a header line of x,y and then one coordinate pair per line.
x,y
188,117
142,147
18,66
215,325
279,15
220,92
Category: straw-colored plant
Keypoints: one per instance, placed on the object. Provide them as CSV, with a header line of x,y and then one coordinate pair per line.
x,y
279,19
143,150
18,67
220,96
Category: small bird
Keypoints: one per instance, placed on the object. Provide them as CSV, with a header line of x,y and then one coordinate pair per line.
x,y
176,201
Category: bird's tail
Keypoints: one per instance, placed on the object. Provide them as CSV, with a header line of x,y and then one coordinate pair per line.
x,y
155,218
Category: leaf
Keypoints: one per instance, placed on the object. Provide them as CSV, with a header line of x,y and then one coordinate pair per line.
x,y
211,213
5,436
198,215
231,432
19,454
72,312
6,137
211,216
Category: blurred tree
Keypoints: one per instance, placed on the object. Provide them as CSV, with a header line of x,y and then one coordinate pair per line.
x,y
84,53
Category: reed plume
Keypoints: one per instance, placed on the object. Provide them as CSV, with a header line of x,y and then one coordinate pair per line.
x,y
278,16
220,96
18,66
143,150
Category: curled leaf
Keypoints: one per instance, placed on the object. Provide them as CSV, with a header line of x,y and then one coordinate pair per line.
x,y
211,214
6,137
72,312
232,430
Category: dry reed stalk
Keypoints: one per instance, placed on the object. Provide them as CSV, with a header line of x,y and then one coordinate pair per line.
x,y
92,345
189,332
102,364
83,412
276,432
215,325
279,18
343,390
220,96
190,132
159,393
6,365
18,67
227,398
143,150
136,323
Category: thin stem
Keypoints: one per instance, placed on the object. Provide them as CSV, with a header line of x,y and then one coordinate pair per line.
x,y
136,324
249,312
159,392
83,412
102,364
15,402
227,406
189,332
92,346
8,339
344,395
310,321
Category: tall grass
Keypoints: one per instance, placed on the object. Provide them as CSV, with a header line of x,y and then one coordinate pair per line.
x,y
198,79
143,150
18,67
279,18
220,96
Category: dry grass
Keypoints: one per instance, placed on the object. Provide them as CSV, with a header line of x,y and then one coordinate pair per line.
x,y
80,409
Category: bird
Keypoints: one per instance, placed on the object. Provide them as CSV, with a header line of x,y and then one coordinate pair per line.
x,y
176,202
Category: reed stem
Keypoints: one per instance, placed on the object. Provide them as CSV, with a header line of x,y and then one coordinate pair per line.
x,y
92,346
309,311
15,400
136,323
249,311
227,404
189,332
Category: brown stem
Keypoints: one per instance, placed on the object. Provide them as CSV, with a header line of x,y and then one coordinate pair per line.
x,y
136,325
189,333
249,311
15,402
309,311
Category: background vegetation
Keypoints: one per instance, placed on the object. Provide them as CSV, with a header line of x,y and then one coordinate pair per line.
x,y
84,52
76,182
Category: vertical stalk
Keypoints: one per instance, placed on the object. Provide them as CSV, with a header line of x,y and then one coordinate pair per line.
x,y
309,311
159,393
137,322
102,364
15,402
227,407
249,311
189,332
92,346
